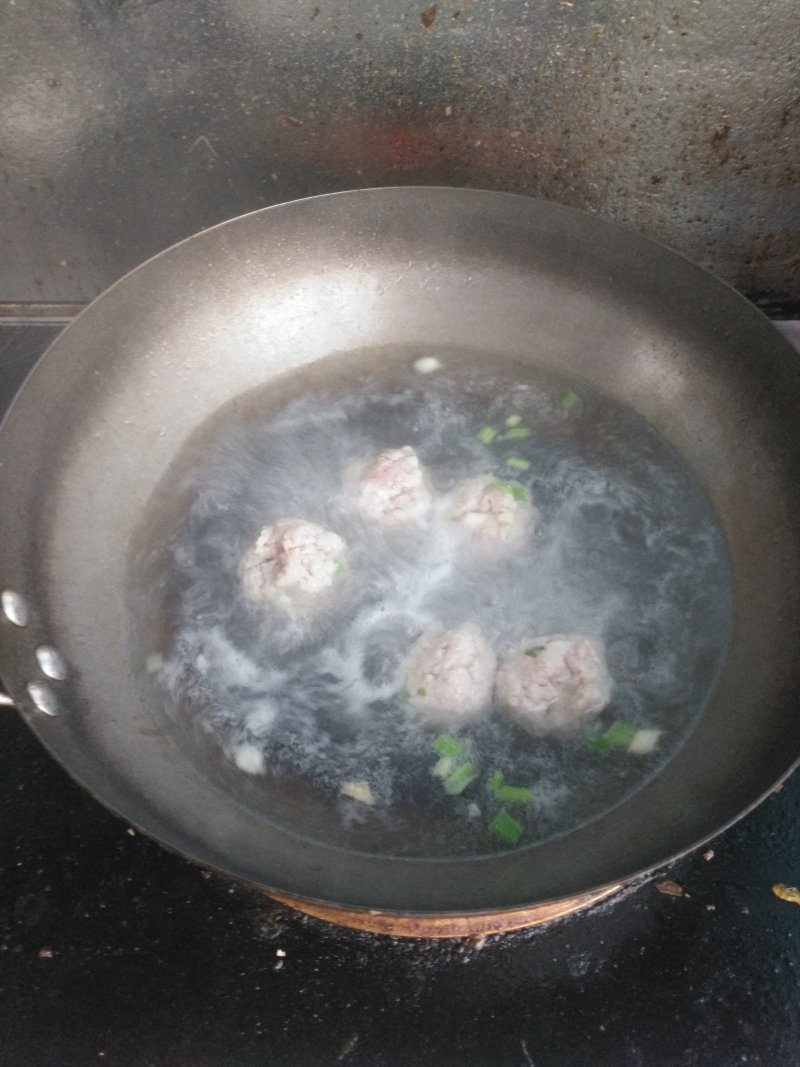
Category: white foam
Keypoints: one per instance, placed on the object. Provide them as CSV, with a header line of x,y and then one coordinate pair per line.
x,y
316,694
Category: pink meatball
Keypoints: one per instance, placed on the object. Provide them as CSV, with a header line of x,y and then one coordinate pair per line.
x,y
492,513
291,562
391,488
554,683
449,676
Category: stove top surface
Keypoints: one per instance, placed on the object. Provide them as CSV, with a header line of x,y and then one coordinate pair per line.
x,y
114,951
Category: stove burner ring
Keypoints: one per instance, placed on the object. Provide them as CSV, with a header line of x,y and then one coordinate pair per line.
x,y
479,924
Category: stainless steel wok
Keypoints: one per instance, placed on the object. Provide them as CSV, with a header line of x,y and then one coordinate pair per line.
x,y
110,404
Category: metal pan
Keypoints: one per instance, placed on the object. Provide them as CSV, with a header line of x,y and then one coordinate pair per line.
x,y
110,404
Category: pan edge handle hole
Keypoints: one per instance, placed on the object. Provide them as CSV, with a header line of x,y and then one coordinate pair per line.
x,y
15,607
43,698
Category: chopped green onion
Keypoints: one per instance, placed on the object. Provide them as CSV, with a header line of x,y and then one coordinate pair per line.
x,y
443,767
517,463
618,735
517,434
594,737
341,568
535,651
514,794
486,435
568,399
422,692
505,827
598,744
458,781
515,491
405,692
447,745
496,780
513,420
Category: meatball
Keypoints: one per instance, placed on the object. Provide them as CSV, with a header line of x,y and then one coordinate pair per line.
x,y
392,488
491,512
554,683
449,675
291,562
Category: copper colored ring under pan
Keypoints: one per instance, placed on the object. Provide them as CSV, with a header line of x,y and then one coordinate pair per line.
x,y
476,925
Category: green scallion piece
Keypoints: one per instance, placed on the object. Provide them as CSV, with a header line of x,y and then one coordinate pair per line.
x,y
341,568
517,434
496,780
515,491
513,420
535,651
405,693
514,794
422,692
448,745
618,735
486,435
598,744
505,827
443,767
511,794
458,781
568,399
517,463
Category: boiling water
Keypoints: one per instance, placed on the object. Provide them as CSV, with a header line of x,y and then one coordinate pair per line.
x,y
281,709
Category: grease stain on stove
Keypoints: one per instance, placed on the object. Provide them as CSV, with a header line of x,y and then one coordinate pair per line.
x,y
428,16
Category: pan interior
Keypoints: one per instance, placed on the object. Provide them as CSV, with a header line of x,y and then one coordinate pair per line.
x,y
628,550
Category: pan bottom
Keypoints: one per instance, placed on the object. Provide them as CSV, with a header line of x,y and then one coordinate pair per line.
x,y
476,925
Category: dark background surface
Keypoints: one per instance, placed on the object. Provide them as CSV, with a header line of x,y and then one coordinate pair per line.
x,y
126,125
113,951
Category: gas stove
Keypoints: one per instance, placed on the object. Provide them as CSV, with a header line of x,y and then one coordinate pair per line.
x,y
116,952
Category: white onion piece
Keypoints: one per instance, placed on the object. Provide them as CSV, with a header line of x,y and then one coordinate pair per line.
x,y
249,759
426,365
359,791
644,742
